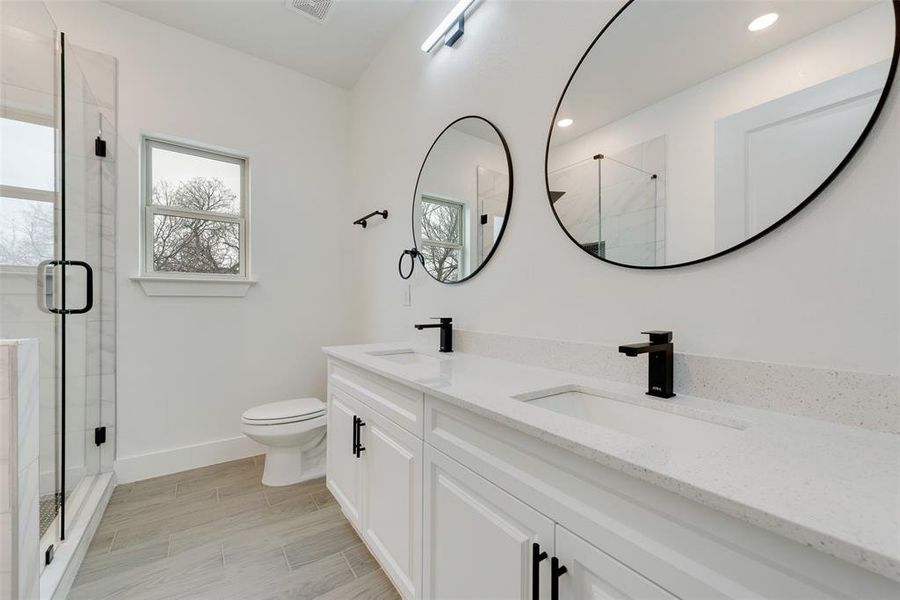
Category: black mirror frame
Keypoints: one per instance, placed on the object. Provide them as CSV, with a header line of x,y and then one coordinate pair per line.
x,y
509,198
825,183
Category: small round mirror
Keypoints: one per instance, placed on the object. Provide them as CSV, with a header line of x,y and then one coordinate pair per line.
x,y
462,199
690,129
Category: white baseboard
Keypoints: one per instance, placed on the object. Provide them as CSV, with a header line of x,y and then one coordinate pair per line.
x,y
164,462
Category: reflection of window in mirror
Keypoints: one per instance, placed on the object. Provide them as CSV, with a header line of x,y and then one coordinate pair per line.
x,y
443,237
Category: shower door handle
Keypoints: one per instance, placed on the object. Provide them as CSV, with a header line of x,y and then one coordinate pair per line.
x,y
45,295
88,288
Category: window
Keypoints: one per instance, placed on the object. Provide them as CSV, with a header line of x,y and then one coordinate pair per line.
x,y
195,212
442,237
27,191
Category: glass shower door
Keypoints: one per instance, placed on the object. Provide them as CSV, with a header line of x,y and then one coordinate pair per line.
x,y
57,247
29,213
86,224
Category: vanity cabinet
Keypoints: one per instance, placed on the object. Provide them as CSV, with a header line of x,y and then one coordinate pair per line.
x,y
375,473
456,505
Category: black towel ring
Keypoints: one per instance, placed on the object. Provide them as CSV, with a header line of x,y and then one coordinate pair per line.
x,y
413,255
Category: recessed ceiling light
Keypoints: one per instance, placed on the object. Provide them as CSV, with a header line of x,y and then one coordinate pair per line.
x,y
760,23
564,122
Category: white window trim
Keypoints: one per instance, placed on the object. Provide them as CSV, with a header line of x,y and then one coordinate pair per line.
x,y
169,283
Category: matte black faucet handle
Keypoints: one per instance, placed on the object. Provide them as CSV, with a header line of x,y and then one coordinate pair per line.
x,y
443,319
659,336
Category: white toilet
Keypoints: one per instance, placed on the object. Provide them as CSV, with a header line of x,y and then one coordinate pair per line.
x,y
293,432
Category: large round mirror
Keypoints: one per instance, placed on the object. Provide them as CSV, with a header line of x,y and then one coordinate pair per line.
x,y
690,129
462,199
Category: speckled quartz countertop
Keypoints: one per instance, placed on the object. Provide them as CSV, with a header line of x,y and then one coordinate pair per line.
x,y
831,487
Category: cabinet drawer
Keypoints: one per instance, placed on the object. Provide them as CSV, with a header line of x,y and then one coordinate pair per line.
x,y
594,575
687,549
400,404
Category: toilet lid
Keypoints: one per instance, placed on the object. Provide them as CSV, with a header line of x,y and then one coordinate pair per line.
x,y
298,409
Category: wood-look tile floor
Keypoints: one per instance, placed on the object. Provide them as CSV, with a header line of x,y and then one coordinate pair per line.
x,y
218,533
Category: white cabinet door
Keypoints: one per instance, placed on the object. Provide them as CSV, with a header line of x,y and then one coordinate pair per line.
x,y
343,467
478,540
392,500
591,574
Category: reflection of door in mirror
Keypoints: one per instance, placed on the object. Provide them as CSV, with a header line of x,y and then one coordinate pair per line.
x,y
493,192
770,154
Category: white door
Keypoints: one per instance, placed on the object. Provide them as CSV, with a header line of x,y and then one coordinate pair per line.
x,y
478,540
392,500
343,467
591,574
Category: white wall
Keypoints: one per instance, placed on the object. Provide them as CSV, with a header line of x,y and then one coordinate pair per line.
x,y
820,291
188,367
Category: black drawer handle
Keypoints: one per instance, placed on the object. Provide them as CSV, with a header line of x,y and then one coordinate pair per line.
x,y
556,570
359,447
355,435
536,557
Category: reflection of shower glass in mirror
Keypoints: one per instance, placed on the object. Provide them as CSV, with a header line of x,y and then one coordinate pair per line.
x,y
462,199
659,158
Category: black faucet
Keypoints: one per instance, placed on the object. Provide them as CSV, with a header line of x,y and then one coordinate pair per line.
x,y
661,350
446,326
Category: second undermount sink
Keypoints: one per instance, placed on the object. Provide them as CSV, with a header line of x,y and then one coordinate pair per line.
x,y
405,356
656,421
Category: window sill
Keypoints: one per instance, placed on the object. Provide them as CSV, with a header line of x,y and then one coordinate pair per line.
x,y
197,287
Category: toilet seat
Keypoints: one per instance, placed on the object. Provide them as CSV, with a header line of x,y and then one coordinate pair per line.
x,y
285,411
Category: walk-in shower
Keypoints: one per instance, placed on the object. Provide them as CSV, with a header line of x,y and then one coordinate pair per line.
x,y
57,269
614,204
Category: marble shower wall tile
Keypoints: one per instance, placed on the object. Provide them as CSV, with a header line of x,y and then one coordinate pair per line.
x,y
19,406
867,400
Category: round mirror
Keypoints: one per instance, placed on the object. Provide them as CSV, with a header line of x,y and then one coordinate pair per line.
x,y
690,129
462,199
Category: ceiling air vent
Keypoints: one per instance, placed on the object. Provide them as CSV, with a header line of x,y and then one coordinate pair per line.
x,y
317,10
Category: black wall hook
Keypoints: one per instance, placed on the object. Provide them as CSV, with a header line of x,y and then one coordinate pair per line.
x,y
363,220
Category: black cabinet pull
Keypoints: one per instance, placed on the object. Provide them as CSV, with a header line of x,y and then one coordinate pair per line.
x,y
536,557
355,435
556,570
359,447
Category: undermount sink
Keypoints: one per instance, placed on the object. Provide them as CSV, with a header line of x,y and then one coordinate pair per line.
x,y
652,420
404,356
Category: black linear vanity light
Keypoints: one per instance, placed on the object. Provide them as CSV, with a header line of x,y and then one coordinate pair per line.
x,y
451,28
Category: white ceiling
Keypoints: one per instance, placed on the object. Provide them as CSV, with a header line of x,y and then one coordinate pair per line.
x,y
337,51
657,49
